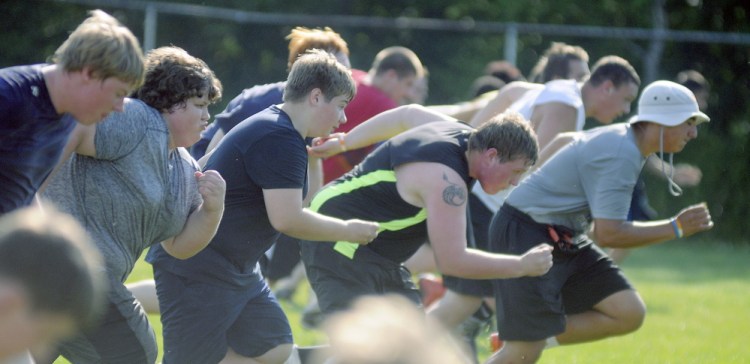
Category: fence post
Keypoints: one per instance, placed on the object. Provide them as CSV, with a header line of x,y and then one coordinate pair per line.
x,y
511,43
149,27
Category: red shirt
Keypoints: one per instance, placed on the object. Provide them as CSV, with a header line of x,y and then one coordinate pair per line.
x,y
368,102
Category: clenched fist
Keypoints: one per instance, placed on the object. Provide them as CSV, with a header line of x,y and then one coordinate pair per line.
x,y
537,261
212,188
363,232
694,219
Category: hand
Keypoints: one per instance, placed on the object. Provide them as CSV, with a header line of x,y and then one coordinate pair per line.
x,y
694,219
363,232
537,261
327,146
686,175
212,187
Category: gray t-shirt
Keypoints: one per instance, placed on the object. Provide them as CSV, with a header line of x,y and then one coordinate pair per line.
x,y
135,192
592,177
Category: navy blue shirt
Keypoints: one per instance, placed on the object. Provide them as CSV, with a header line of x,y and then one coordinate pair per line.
x,y
262,152
32,135
248,103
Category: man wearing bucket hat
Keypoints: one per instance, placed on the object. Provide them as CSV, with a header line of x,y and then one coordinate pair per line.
x,y
584,189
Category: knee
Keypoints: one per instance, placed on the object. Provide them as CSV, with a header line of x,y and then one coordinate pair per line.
x,y
632,316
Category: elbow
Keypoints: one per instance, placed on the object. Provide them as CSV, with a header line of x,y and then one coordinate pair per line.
x,y
182,256
604,239
283,226
451,267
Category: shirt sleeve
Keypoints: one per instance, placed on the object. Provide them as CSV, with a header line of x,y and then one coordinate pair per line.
x,y
121,132
278,160
610,185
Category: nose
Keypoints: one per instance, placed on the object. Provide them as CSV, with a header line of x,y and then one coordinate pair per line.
x,y
205,116
342,119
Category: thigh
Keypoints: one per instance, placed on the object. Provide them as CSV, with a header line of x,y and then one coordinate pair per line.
x,y
123,336
195,317
527,308
596,278
337,280
260,327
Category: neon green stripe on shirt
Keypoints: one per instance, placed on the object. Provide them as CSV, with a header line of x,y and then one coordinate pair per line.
x,y
348,248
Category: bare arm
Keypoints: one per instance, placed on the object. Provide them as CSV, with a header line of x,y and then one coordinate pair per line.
x,y
378,128
684,174
286,214
215,140
315,179
443,194
551,119
202,223
630,234
554,146
506,97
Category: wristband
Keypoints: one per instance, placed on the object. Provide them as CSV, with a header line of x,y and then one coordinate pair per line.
x,y
677,227
342,143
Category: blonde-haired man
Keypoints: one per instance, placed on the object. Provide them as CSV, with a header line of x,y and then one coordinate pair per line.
x,y
98,65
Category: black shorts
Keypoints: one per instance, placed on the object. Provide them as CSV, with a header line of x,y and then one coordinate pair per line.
x,y
339,280
480,216
534,308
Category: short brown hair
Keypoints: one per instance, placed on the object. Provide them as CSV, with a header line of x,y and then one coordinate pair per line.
x,y
400,59
302,39
106,47
173,76
318,69
510,134
615,69
555,62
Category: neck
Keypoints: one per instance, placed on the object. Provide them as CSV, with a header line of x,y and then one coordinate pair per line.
x,y
55,79
646,138
298,117
471,163
587,98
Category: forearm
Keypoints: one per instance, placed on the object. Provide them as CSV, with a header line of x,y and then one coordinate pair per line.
x,y
632,234
198,231
391,123
310,225
477,264
315,178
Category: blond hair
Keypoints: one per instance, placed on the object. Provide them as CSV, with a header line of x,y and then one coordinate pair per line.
x,y
104,46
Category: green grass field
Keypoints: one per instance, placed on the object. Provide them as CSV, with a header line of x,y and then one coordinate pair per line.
x,y
697,294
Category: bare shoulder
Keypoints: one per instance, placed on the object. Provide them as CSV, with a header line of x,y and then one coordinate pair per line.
x,y
421,182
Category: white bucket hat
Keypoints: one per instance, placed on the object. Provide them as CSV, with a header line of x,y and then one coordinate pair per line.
x,y
669,104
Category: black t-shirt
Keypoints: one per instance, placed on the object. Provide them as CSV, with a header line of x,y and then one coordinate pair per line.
x,y
368,192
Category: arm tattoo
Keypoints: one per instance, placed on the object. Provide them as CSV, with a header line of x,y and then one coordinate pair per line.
x,y
454,194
